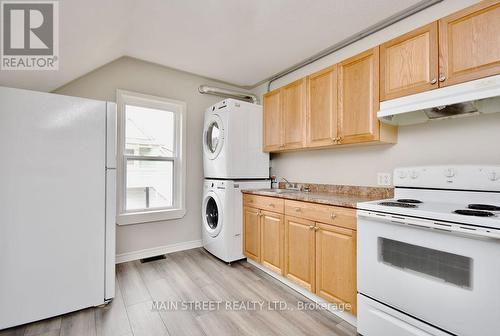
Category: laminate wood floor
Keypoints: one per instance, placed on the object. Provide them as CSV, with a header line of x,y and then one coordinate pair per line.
x,y
185,278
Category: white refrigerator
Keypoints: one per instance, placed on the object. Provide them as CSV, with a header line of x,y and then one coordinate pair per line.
x,y
57,204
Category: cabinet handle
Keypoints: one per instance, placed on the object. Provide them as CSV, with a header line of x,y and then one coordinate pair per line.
x,y
316,228
311,227
339,140
434,81
332,215
442,78
298,209
271,205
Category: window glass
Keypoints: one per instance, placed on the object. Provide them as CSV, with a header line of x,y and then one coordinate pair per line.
x,y
149,184
149,132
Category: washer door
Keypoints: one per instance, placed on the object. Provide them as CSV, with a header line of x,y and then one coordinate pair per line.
x,y
213,137
212,214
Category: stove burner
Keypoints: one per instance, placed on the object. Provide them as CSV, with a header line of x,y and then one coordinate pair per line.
x,y
474,213
486,207
409,200
396,204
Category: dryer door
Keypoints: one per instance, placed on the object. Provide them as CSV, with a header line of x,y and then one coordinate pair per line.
x,y
212,214
213,137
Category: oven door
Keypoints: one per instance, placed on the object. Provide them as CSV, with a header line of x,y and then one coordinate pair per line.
x,y
449,280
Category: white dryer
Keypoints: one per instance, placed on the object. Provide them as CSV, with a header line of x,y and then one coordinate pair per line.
x,y
232,141
222,211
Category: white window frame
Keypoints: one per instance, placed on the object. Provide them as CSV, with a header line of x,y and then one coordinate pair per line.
x,y
178,209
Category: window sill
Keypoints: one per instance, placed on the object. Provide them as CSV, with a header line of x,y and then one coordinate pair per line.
x,y
150,216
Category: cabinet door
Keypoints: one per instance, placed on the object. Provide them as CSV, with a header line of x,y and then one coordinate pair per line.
x,y
251,233
272,240
322,107
469,42
359,97
336,264
299,251
273,121
294,112
409,63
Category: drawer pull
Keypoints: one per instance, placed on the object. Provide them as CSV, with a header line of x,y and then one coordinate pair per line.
x,y
298,209
271,205
332,216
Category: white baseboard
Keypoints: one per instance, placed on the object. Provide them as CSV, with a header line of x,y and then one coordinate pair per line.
x,y
151,252
349,318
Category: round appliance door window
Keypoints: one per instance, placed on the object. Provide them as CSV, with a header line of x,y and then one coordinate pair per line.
x,y
213,133
212,214
213,137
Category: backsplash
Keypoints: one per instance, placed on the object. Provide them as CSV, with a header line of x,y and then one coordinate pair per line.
x,y
376,192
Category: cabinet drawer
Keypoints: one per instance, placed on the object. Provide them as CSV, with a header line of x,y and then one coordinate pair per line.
x,y
338,216
264,203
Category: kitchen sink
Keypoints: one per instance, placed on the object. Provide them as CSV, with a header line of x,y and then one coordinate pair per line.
x,y
285,191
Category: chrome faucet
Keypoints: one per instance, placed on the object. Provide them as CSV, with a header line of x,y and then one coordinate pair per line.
x,y
289,185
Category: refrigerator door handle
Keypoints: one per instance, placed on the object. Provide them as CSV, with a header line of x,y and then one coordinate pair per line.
x,y
110,245
111,135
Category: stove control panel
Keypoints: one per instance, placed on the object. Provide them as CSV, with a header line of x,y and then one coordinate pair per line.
x,y
462,177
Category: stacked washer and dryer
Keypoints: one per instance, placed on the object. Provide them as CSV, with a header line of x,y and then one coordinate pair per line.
x,y
232,161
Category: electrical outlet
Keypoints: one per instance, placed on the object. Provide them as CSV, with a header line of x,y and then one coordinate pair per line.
x,y
384,179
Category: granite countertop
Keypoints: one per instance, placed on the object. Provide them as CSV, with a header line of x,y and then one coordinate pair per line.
x,y
344,196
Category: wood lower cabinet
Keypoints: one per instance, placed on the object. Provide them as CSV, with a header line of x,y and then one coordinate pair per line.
x,y
358,102
320,257
322,108
336,265
299,251
409,63
272,240
469,42
251,233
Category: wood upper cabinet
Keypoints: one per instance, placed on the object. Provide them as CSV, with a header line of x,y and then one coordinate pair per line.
x,y
358,101
272,240
272,121
299,252
294,114
336,264
469,42
251,233
322,108
409,63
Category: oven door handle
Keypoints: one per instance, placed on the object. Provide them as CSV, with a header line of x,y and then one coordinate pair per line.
x,y
444,227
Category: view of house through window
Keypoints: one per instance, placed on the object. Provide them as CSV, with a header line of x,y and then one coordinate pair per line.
x,y
149,155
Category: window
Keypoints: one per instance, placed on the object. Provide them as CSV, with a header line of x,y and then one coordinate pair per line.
x,y
151,156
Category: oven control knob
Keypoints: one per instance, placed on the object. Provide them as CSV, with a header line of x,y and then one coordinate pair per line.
x,y
402,174
414,174
450,172
493,176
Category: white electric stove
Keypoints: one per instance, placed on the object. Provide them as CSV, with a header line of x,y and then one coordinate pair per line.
x,y
429,259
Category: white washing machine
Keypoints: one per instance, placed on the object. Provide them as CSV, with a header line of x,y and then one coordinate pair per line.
x,y
232,141
222,211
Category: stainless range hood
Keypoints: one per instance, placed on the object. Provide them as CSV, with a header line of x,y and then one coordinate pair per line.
x,y
460,100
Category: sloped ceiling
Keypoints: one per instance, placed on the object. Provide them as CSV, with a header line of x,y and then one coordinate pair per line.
x,y
237,41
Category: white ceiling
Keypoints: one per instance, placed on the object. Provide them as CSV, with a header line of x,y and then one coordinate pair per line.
x,y
237,41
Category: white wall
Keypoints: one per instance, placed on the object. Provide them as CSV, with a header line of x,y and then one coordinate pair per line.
x,y
135,75
473,140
